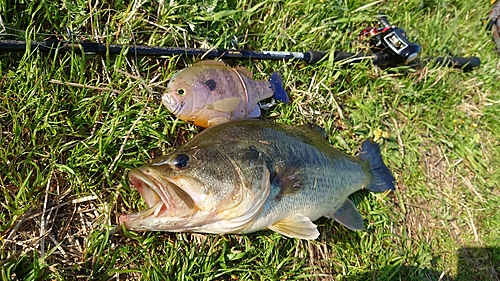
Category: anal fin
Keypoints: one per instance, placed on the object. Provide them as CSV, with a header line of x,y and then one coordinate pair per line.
x,y
216,121
255,112
296,226
348,216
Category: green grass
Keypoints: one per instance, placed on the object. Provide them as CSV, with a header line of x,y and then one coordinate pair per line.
x,y
71,127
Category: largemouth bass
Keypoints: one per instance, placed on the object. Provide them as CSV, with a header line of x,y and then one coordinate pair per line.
x,y
249,175
210,93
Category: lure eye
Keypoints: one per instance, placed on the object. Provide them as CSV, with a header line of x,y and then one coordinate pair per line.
x,y
181,91
181,161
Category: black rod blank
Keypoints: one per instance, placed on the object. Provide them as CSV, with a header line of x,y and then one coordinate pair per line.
x,y
310,57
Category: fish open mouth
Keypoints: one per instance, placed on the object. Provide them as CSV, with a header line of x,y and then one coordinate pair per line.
x,y
162,197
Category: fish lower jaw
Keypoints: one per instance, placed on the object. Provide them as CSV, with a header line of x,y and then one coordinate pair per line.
x,y
154,211
158,209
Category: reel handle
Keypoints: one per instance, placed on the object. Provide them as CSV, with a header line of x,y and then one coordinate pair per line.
x,y
383,19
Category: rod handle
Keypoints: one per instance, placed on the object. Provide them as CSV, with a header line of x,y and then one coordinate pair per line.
x,y
465,63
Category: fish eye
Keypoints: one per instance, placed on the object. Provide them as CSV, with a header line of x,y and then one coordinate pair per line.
x,y
181,161
181,91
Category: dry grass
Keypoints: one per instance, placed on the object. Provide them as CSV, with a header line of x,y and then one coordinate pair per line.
x,y
58,228
72,126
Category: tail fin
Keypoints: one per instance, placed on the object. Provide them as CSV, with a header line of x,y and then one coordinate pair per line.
x,y
382,177
277,85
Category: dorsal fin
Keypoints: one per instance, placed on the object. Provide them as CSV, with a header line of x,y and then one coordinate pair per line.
x,y
211,62
315,129
244,71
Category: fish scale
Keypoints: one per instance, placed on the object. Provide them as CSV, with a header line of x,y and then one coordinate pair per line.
x,y
250,175
325,191
210,93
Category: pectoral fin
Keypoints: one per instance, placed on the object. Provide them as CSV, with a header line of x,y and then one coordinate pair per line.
x,y
348,216
296,226
225,105
289,179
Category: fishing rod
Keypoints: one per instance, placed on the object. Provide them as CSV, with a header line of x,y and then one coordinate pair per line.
x,y
311,57
389,45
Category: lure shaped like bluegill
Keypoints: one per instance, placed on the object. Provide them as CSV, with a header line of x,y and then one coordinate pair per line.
x,y
249,175
210,93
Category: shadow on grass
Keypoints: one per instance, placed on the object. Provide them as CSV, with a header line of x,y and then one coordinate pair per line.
x,y
473,264
479,263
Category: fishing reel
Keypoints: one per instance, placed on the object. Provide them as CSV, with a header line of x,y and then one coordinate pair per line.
x,y
391,43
